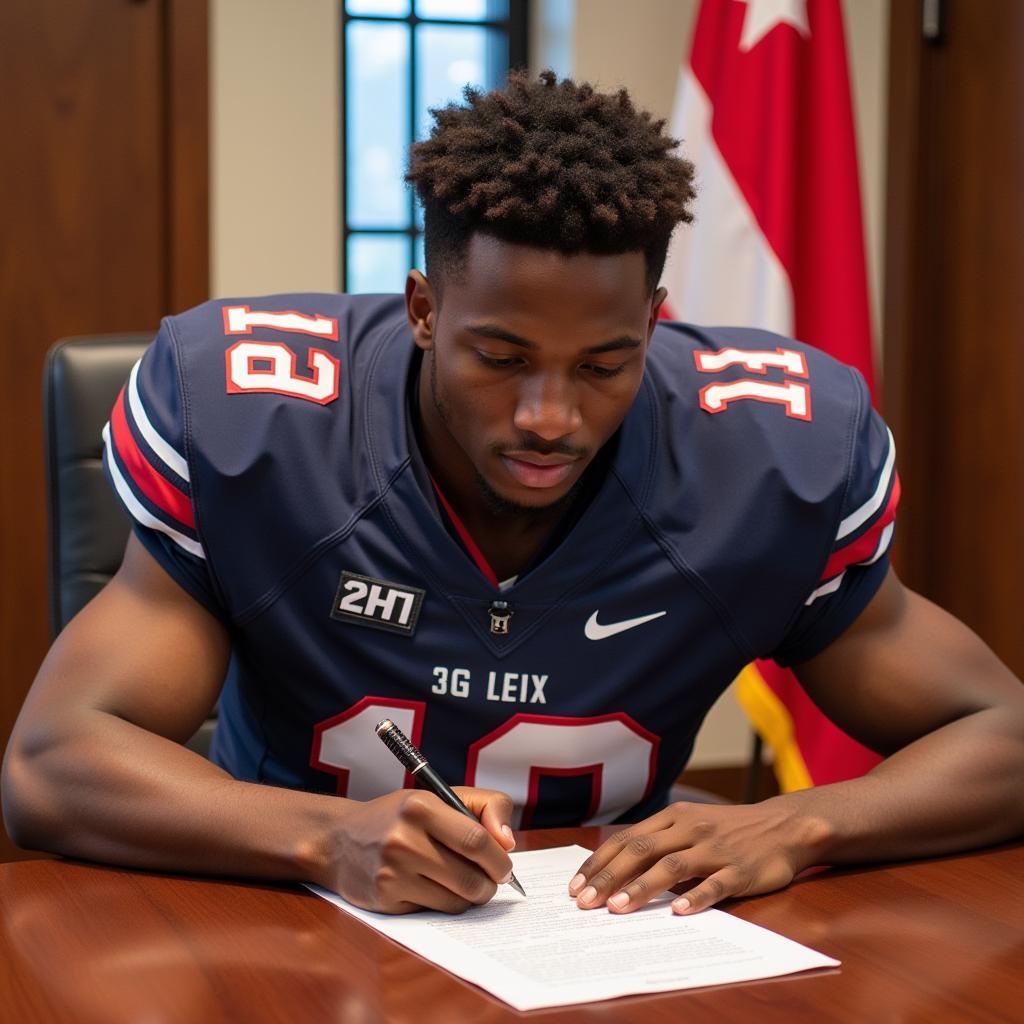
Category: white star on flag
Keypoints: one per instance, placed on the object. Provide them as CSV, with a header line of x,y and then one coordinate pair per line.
x,y
764,15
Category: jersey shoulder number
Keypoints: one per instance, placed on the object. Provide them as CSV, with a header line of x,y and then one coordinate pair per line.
x,y
272,366
793,395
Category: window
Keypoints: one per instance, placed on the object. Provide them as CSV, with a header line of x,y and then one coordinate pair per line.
x,y
401,58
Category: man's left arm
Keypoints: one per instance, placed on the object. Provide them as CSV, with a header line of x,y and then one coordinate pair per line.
x,y
906,679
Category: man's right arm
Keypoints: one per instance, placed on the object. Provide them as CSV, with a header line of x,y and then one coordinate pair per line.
x,y
95,768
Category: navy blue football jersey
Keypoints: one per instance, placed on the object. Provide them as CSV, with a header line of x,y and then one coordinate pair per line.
x,y
264,450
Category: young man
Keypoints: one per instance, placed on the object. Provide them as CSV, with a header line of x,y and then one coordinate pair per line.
x,y
528,523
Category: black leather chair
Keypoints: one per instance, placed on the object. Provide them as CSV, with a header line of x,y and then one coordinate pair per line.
x,y
88,529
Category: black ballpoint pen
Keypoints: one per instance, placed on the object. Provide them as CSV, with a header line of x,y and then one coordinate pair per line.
x,y
419,768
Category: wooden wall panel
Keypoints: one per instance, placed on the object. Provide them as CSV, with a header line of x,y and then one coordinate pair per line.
x,y
103,206
954,338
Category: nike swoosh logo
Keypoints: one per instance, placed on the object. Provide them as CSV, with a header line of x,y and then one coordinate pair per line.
x,y
595,631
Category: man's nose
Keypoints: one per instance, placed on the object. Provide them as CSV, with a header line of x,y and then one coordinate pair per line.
x,y
548,407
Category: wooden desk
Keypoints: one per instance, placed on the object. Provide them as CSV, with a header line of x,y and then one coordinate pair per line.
x,y
939,940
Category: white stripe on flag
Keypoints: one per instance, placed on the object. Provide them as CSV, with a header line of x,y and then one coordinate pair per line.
x,y
720,269
874,503
167,454
138,510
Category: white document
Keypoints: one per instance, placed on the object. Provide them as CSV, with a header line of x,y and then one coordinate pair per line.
x,y
542,950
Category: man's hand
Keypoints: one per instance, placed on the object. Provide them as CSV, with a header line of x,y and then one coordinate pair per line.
x,y
734,851
410,851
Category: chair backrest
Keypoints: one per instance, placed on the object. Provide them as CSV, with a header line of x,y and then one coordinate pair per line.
x,y
88,529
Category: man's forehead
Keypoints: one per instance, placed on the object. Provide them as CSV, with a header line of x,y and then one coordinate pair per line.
x,y
501,275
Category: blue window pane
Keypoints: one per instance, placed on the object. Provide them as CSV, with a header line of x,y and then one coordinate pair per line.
x,y
421,260
462,10
395,8
376,124
376,263
449,57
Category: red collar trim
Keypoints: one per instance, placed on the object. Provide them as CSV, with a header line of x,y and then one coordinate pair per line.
x,y
460,528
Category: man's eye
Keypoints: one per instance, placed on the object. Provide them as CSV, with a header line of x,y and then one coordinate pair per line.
x,y
498,362
603,372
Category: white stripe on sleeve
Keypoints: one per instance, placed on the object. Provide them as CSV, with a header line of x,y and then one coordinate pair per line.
x,y
139,511
883,545
167,454
874,503
826,588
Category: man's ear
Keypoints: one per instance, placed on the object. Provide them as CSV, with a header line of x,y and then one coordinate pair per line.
x,y
421,308
659,297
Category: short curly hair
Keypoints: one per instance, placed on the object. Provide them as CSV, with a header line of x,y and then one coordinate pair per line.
x,y
552,164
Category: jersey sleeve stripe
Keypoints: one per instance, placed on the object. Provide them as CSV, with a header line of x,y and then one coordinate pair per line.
x,y
826,588
883,545
160,491
866,545
832,585
164,451
861,515
136,509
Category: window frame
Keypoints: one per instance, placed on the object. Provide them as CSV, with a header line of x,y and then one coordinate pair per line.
x,y
515,27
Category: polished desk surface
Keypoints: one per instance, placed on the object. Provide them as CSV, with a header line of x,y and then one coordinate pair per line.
x,y
937,940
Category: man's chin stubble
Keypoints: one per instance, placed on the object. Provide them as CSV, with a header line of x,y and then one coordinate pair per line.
x,y
499,505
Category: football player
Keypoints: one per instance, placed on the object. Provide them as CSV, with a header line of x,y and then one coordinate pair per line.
x,y
536,528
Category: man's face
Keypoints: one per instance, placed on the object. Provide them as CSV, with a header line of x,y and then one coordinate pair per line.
x,y
531,362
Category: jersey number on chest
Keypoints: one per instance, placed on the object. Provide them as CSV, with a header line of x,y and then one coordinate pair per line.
x,y
618,754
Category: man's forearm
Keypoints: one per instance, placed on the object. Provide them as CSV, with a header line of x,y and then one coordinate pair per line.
x,y
959,787
106,790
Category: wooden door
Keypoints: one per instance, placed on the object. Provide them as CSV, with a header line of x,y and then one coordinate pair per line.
x,y
103,202
954,318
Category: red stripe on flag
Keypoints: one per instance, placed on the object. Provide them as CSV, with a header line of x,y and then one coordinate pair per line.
x,y
867,543
168,498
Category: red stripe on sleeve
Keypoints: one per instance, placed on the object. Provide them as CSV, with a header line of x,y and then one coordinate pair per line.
x,y
168,498
866,544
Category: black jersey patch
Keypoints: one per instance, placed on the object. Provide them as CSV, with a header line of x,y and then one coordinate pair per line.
x,y
378,603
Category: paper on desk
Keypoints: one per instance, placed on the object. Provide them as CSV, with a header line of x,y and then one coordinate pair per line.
x,y
544,951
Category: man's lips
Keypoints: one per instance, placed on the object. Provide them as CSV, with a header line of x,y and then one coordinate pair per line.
x,y
534,470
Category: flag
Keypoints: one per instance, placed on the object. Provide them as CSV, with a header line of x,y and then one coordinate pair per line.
x,y
764,111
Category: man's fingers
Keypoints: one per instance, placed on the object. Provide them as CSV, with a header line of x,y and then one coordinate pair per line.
x,y
494,810
426,894
665,873
427,860
637,851
465,837
716,887
635,845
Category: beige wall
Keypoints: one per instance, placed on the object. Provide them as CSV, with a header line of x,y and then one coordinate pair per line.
x,y
275,149
276,180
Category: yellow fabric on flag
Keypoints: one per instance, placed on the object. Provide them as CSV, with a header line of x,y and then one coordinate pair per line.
x,y
772,720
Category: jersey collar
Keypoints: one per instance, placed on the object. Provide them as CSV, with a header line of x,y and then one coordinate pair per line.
x,y
610,520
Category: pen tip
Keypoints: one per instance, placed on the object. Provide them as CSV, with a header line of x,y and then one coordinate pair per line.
x,y
515,883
